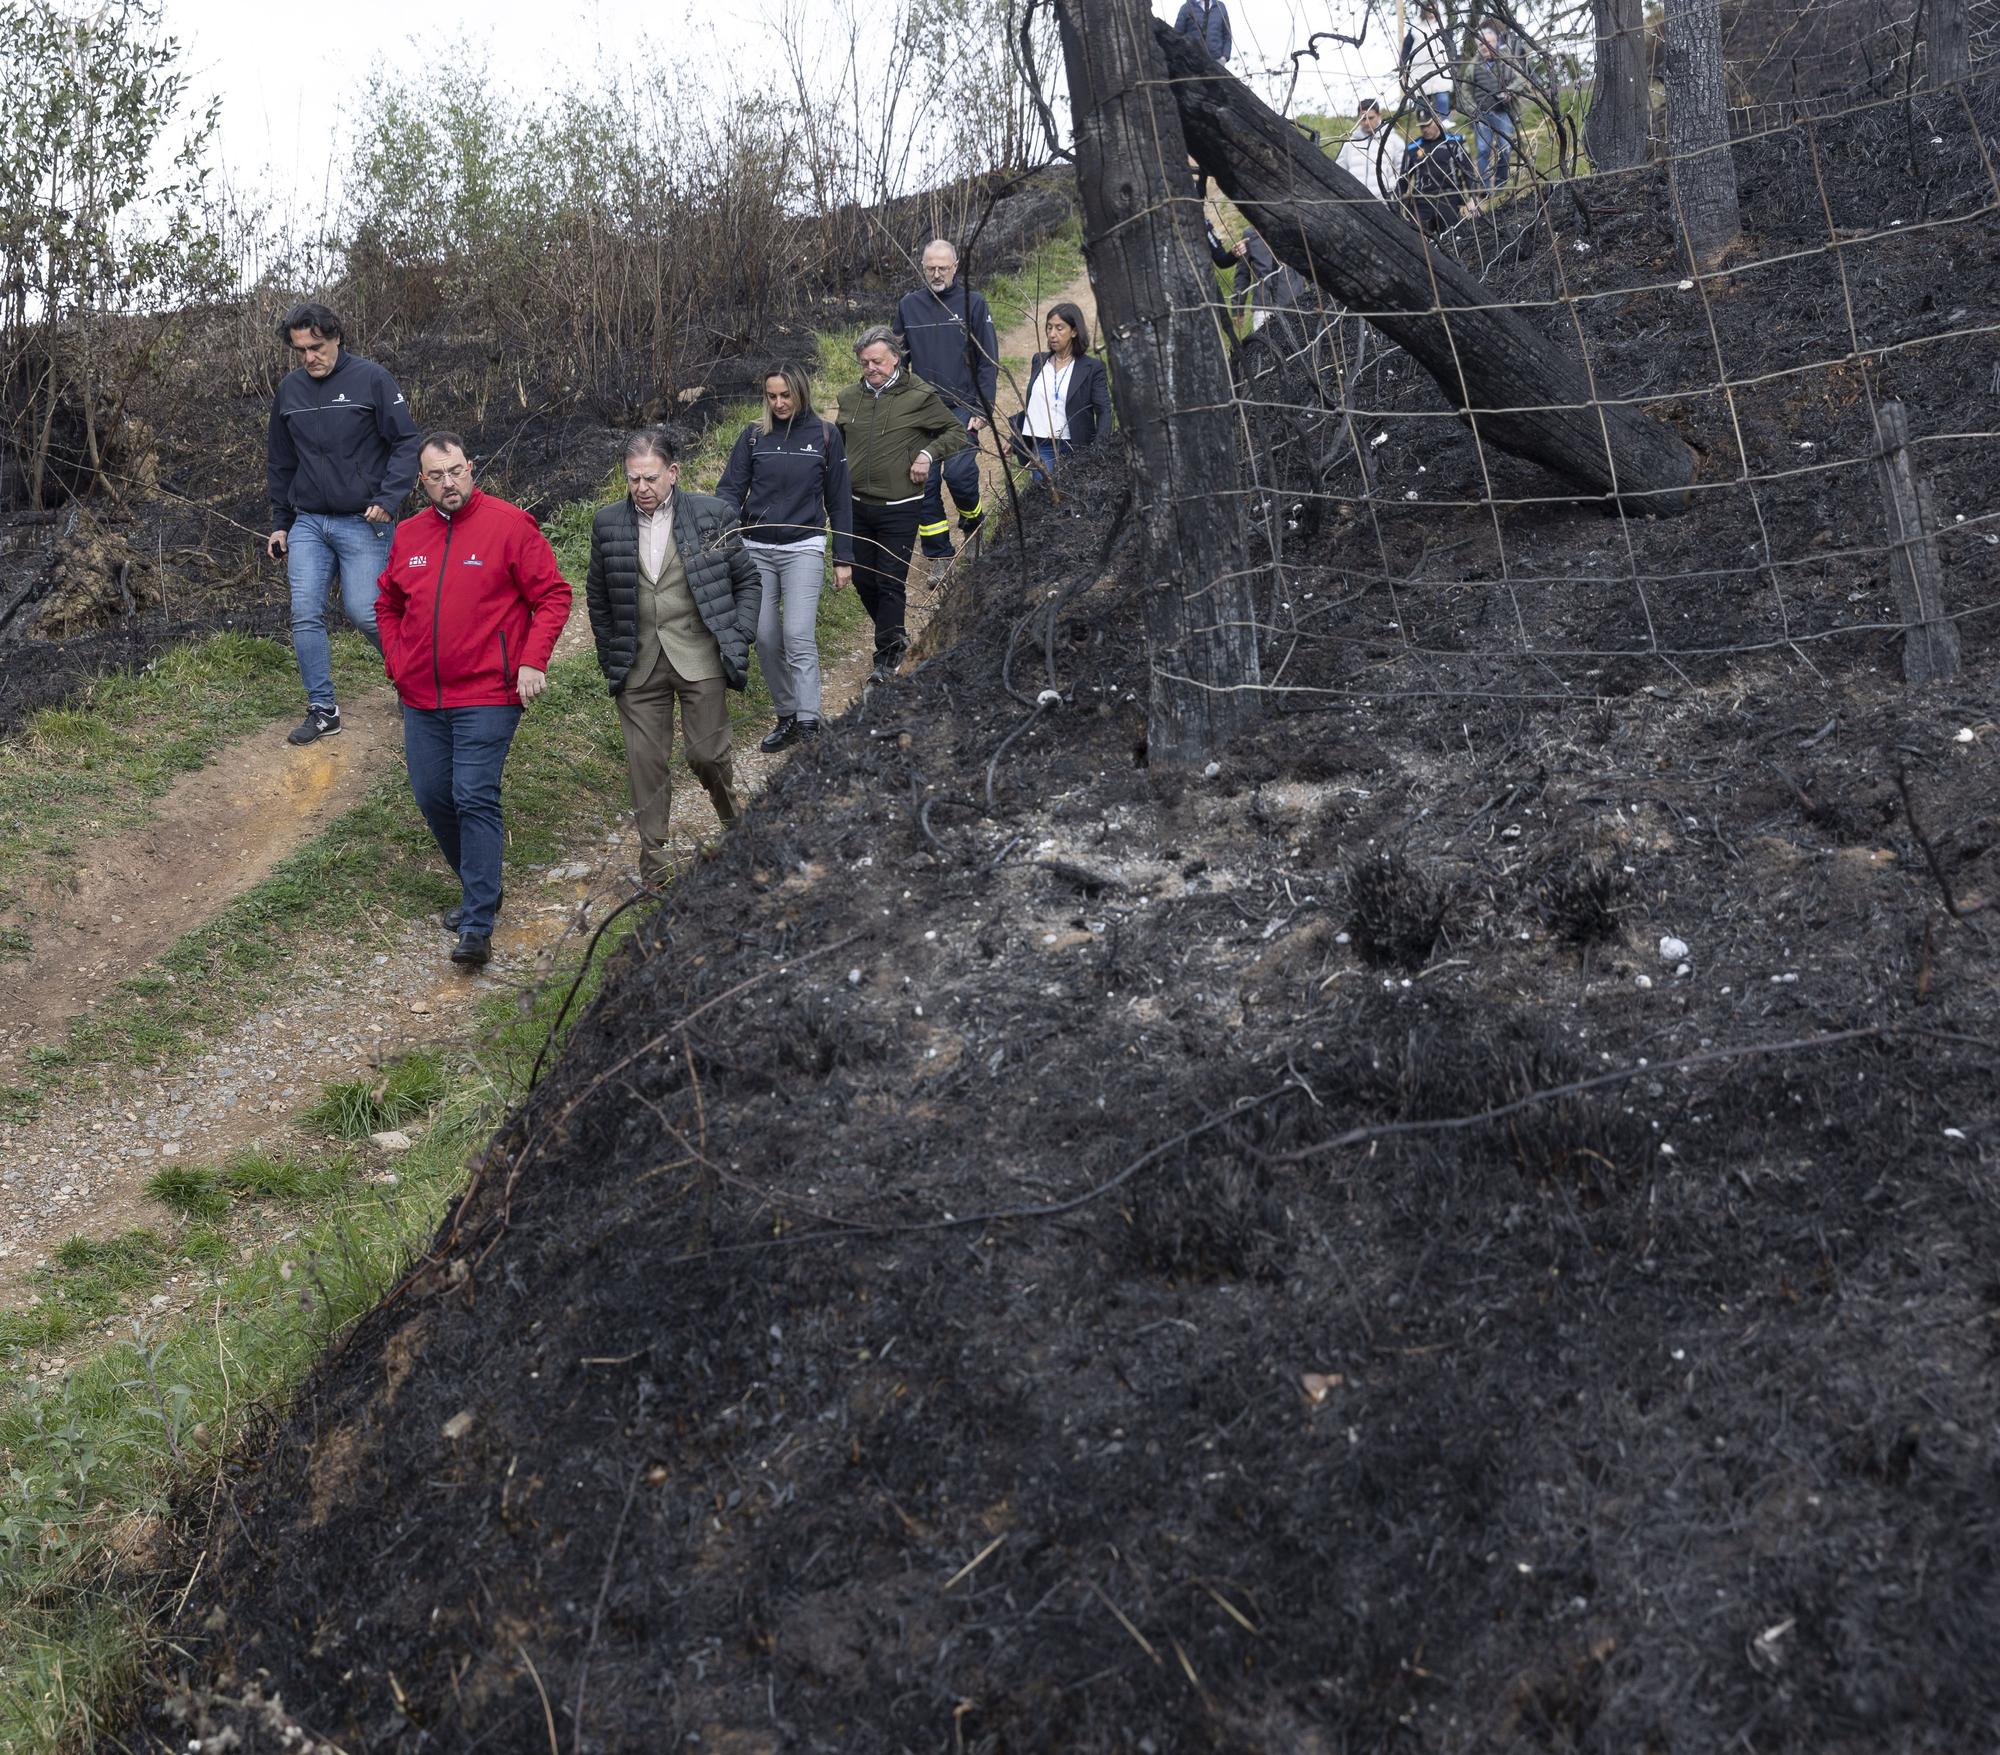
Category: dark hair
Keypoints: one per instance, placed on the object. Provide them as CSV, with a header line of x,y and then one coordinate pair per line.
x,y
651,442
1075,319
318,318
440,440
1367,104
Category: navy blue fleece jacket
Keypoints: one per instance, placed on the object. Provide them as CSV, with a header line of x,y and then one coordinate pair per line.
x,y
951,344
339,444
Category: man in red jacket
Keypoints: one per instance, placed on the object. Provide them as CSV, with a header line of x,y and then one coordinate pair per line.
x,y
469,608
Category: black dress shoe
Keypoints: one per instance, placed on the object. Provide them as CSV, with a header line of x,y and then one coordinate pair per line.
x,y
472,951
452,916
780,735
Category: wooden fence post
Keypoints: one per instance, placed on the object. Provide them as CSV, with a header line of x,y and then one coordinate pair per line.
x,y
1169,378
1930,641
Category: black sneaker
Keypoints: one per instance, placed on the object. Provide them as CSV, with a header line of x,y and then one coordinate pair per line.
x,y
780,735
452,916
885,664
472,951
319,722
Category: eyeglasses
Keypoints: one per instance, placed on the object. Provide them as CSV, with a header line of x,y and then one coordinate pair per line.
x,y
438,477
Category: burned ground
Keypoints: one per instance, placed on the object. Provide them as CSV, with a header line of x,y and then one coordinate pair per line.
x,y
1030,1252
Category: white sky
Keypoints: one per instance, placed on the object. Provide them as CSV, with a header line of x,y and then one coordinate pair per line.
x,y
286,84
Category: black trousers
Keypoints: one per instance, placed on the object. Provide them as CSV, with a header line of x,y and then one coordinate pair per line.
x,y
883,538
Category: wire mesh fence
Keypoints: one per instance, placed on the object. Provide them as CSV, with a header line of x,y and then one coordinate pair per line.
x,y
1400,545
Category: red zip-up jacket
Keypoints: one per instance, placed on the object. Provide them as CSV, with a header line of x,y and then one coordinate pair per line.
x,y
465,601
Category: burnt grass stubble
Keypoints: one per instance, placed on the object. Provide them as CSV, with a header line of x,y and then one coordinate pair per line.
x,y
1660,1417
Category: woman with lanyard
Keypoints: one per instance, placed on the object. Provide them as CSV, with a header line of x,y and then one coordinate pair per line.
x,y
787,480
1069,398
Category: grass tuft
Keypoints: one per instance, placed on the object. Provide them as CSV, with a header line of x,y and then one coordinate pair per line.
x,y
193,1193
358,1107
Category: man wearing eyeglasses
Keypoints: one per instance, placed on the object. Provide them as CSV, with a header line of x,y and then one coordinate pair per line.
x,y
340,457
469,608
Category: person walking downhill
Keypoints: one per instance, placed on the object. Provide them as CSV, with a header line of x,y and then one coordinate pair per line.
x,y
1425,62
1207,23
673,599
946,333
896,432
340,458
1496,83
1364,154
1068,400
786,481
469,607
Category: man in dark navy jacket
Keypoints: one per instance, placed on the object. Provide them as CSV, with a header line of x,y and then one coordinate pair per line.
x,y
947,335
1207,22
341,456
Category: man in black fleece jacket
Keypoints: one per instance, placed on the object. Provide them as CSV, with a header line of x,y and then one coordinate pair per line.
x,y
341,456
947,335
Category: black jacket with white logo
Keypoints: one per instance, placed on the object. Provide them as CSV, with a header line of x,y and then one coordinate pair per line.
x,y
949,341
341,443
788,484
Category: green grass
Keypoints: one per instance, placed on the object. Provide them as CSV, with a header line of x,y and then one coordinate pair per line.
x,y
132,1433
100,764
357,1108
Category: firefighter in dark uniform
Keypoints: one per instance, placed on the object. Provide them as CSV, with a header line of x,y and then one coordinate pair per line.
x,y
947,335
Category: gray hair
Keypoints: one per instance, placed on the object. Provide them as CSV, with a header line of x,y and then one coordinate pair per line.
x,y
876,335
651,442
940,244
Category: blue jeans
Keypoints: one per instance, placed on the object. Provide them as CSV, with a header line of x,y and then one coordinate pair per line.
x,y
455,755
319,544
1493,139
1440,101
959,472
1046,451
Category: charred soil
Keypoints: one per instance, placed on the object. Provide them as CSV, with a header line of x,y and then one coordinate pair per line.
x,y
1030,1252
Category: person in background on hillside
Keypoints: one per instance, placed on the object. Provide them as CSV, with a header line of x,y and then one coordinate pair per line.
x,y
1426,62
1207,23
786,480
1363,153
341,457
1436,184
1265,287
673,598
1496,83
896,431
469,605
947,335
1068,400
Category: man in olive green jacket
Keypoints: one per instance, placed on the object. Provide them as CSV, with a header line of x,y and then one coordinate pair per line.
x,y
896,431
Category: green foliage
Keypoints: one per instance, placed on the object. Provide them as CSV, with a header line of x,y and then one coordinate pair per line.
x,y
192,1192
88,224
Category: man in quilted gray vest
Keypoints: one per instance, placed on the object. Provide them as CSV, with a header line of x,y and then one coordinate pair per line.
x,y
673,603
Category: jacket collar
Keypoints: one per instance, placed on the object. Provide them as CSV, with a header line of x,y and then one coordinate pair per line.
x,y
471,505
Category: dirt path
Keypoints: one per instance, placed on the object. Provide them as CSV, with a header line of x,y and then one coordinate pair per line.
x,y
352,1003
219,831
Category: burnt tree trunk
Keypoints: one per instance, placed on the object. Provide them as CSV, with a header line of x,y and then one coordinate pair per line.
x,y
1618,131
1950,33
1155,297
1521,392
1702,171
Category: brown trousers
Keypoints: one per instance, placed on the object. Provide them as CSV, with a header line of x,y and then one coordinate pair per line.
x,y
646,716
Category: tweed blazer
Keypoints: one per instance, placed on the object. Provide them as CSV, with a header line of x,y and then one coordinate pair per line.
x,y
720,576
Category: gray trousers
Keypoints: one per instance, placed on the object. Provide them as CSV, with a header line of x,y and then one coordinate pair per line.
x,y
788,626
646,716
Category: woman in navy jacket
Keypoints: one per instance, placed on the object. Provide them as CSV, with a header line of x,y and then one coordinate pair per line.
x,y
787,481
1069,397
